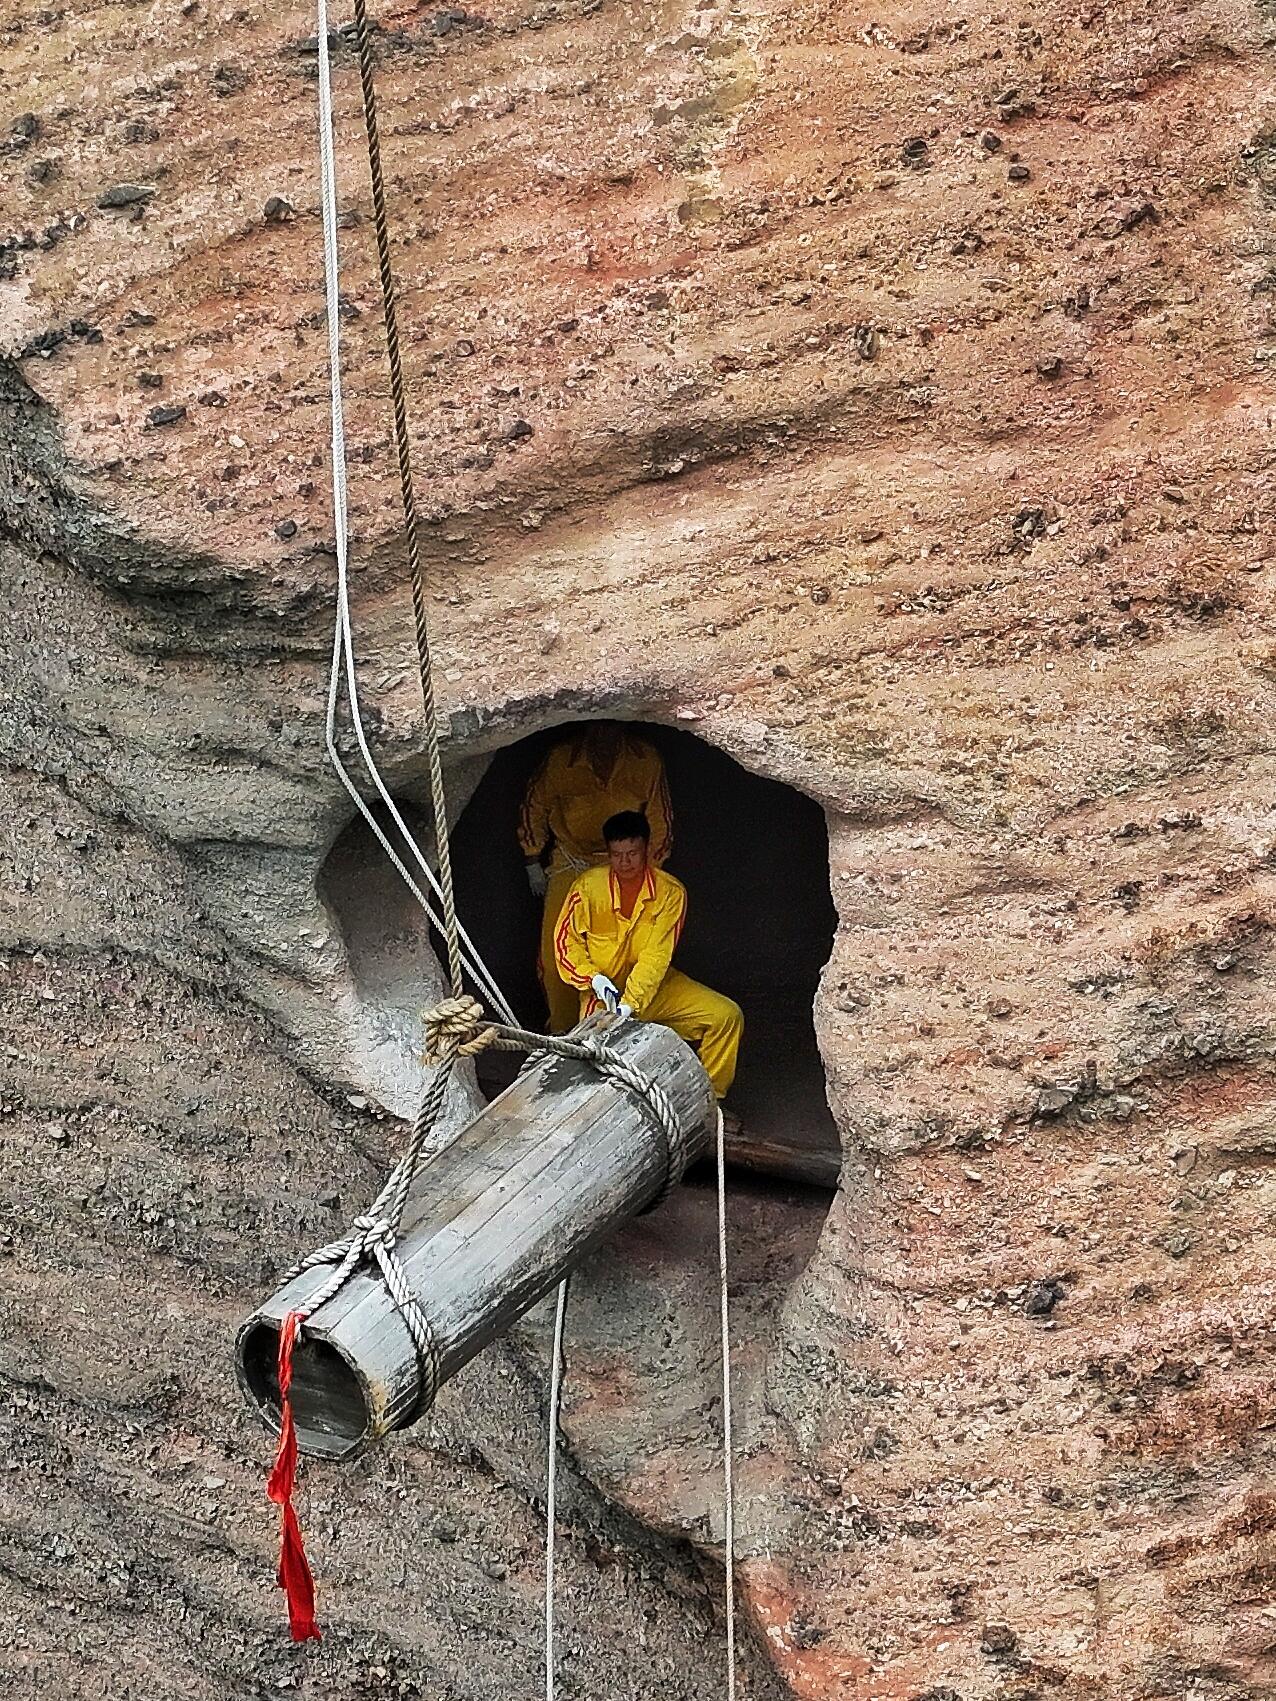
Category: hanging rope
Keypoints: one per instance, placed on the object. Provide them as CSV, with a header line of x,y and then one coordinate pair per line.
x,y
403,448
728,1448
728,1443
454,1028
343,670
551,1481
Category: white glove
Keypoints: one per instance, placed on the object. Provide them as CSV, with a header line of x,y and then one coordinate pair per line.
x,y
537,879
606,991
624,1011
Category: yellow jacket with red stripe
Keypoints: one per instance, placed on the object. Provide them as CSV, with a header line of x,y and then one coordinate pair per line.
x,y
566,801
634,952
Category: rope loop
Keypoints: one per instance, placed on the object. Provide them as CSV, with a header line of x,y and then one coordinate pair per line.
x,y
454,1028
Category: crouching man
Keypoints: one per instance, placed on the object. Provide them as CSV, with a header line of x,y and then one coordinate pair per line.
x,y
614,943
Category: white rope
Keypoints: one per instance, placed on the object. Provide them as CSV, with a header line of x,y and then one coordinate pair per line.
x,y
343,662
728,1444
728,1466
551,1482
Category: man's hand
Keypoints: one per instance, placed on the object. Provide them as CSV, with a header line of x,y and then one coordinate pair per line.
x,y
537,879
625,1010
606,991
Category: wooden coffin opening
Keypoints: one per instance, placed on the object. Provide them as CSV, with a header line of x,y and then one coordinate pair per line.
x,y
330,1405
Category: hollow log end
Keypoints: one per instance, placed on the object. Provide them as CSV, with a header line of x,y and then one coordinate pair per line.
x,y
338,1407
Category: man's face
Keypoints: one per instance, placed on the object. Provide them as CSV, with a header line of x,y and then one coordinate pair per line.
x,y
628,858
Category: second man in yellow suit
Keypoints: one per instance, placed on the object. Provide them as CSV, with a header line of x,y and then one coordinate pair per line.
x,y
615,940
590,776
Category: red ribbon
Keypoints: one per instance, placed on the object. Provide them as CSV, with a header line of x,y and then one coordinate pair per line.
x,y
294,1575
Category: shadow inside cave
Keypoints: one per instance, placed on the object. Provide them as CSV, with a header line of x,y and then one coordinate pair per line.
x,y
753,854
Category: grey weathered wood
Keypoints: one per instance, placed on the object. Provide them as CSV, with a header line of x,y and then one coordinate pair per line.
x,y
529,1188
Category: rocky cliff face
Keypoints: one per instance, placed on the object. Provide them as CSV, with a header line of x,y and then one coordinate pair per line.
x,y
889,401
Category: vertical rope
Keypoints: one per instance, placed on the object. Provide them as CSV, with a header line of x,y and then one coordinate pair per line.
x,y
403,447
551,1482
343,660
728,1465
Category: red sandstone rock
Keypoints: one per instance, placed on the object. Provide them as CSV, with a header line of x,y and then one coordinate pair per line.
x,y
765,367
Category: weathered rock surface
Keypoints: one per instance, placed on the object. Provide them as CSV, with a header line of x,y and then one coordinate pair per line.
x,y
898,398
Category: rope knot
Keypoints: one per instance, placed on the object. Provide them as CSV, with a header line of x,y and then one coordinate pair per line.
x,y
374,1231
454,1029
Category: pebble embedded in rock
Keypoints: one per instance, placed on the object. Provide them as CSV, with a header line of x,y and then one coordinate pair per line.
x,y
999,1641
867,342
228,80
1178,1245
42,171
1173,493
1042,1296
1018,174
125,195
1049,366
278,210
990,141
43,345
26,129
150,380
286,529
446,1532
519,429
166,415
1053,1101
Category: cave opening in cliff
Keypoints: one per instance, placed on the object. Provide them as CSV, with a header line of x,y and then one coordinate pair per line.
x,y
753,854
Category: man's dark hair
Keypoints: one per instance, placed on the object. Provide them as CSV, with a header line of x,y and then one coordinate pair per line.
x,y
628,824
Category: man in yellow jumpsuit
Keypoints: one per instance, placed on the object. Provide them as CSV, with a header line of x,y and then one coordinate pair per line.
x,y
614,945
588,777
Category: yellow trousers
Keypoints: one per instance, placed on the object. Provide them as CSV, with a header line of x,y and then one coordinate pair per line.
x,y
706,1019
563,1000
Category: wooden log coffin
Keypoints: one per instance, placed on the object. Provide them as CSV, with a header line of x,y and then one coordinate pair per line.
x,y
527,1190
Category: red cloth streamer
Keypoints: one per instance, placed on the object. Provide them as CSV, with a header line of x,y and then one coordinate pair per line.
x,y
294,1576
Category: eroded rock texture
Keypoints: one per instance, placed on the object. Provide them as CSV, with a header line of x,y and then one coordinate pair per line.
x,y
887,399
